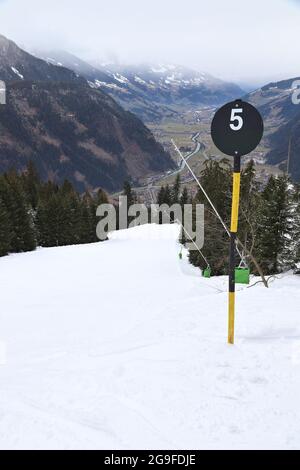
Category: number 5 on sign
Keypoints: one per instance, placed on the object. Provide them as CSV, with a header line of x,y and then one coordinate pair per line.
x,y
237,128
239,120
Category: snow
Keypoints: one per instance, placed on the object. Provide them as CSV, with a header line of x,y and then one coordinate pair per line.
x,y
139,80
93,85
159,69
122,345
17,73
99,84
120,78
53,61
171,78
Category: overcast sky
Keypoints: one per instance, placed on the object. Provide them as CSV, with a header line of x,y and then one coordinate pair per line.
x,y
252,41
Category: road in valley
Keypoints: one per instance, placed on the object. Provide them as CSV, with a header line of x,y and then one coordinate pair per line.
x,y
154,181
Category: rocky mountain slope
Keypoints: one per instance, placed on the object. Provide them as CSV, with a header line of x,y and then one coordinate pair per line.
x,y
282,121
16,64
275,101
69,129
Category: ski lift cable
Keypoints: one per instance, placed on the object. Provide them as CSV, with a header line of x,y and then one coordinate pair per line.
x,y
243,262
186,232
178,221
189,236
201,187
206,195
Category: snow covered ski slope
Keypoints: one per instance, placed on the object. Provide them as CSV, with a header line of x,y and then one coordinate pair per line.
x,y
122,345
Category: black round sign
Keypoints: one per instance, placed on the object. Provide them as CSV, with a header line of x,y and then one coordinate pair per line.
x,y
237,128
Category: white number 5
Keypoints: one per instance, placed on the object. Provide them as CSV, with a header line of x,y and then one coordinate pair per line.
x,y
238,119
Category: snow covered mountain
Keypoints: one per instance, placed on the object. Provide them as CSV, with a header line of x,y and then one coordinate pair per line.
x,y
16,64
106,351
275,100
173,85
151,91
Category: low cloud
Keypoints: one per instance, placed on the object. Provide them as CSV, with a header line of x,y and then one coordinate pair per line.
x,y
253,41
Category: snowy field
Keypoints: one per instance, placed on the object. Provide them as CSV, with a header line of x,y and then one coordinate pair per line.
x,y
122,345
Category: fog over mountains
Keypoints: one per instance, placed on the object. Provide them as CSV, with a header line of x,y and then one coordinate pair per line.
x,y
150,91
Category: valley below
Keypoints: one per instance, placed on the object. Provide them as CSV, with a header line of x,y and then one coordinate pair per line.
x,y
191,133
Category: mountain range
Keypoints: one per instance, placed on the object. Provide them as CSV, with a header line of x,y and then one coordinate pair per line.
x,y
71,130
157,92
152,92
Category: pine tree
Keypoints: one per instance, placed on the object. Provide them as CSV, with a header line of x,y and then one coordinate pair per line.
x,y
273,242
24,236
70,204
59,215
31,185
217,180
33,212
249,203
100,198
67,188
49,216
161,196
88,219
50,220
296,227
164,197
131,196
184,198
168,196
175,191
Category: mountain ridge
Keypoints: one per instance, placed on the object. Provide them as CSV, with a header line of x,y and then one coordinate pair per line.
x,y
153,92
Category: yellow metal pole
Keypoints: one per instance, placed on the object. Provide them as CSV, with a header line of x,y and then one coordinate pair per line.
x,y
233,232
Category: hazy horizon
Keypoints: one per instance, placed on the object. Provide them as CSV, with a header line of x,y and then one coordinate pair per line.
x,y
247,43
